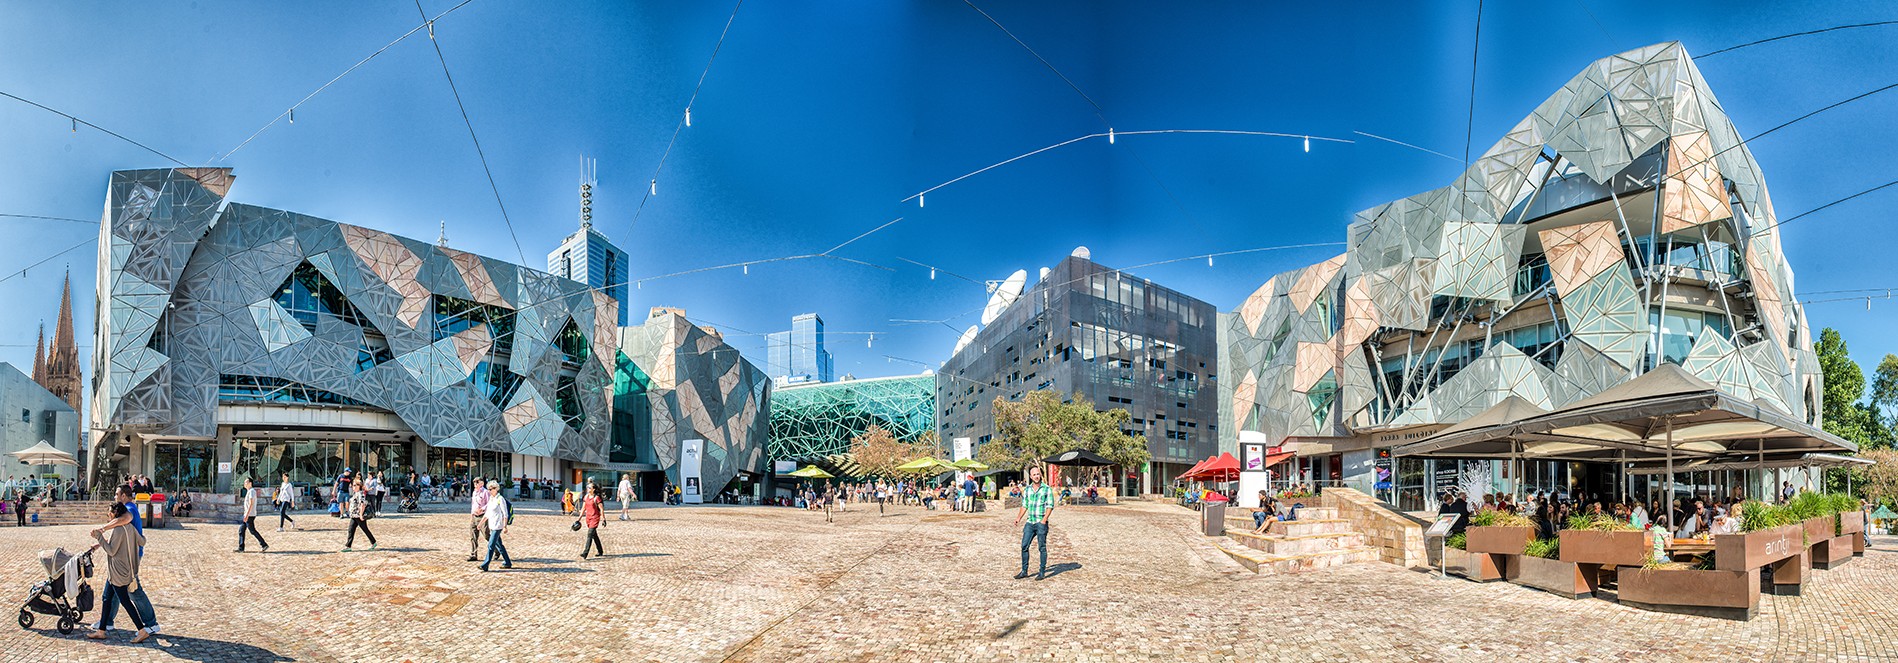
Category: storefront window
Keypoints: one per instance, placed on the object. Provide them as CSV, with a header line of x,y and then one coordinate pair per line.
x,y
185,466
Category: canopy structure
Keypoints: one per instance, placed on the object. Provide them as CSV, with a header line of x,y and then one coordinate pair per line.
x,y
812,472
1077,457
1188,474
1223,468
1884,513
1749,463
927,464
1664,414
44,454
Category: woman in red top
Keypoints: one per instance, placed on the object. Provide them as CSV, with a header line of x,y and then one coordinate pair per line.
x,y
590,516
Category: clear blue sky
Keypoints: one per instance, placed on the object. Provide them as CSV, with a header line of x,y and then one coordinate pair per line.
x,y
819,118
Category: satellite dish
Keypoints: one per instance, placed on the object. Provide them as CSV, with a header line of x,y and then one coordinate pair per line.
x,y
1005,294
963,342
1082,253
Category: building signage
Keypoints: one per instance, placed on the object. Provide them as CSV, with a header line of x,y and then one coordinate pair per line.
x,y
691,452
962,449
783,466
223,468
1252,457
1405,436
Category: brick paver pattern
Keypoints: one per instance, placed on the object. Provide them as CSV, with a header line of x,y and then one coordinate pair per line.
x,y
1130,582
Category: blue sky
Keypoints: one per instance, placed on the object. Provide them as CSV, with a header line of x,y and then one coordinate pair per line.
x,y
818,119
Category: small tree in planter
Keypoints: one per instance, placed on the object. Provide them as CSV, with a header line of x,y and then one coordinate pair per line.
x,y
1499,532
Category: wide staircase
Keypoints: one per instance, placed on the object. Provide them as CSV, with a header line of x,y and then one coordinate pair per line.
x,y
1318,539
63,512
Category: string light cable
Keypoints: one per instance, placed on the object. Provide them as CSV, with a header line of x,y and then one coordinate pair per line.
x,y
828,254
686,120
1795,34
471,130
76,121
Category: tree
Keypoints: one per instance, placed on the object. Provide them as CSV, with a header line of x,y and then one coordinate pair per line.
x,y
1883,405
1879,483
1040,425
1844,385
878,452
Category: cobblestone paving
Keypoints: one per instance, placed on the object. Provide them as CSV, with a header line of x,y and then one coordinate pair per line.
x,y
1132,582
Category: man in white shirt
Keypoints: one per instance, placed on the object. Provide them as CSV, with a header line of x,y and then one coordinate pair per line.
x,y
497,517
478,526
625,496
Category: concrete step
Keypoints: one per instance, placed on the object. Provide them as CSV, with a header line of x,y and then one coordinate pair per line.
x,y
65,512
1277,544
1237,514
1261,562
1308,527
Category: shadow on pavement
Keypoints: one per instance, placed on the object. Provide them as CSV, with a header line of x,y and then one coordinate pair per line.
x,y
1063,567
196,649
645,554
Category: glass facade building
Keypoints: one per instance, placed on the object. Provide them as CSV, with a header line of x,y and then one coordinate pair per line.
x,y
275,341
589,257
1623,224
798,355
1116,339
682,381
811,423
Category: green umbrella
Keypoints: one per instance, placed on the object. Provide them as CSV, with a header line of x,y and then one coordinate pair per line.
x,y
1884,513
811,472
924,464
970,464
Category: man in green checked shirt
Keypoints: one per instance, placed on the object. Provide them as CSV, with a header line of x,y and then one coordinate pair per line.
x,y
1036,503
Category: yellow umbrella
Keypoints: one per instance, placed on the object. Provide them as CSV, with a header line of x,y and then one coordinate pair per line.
x,y
812,472
924,464
971,465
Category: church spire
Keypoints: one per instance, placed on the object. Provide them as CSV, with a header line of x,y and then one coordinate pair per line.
x,y
39,357
61,373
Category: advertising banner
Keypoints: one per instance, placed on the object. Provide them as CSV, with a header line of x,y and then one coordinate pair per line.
x,y
691,453
962,449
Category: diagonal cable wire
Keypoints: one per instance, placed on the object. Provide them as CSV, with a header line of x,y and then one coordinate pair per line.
x,y
426,23
47,218
1796,217
76,120
1071,141
676,129
1795,34
47,259
471,133
1394,141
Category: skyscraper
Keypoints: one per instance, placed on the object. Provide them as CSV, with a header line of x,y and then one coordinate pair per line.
x,y
589,257
798,355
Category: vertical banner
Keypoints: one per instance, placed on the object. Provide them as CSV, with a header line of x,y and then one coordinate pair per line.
x,y
690,455
962,449
1253,476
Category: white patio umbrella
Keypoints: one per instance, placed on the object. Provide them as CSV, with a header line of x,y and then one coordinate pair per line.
x,y
44,454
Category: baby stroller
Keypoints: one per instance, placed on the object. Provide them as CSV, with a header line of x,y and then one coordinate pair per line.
x,y
409,502
64,593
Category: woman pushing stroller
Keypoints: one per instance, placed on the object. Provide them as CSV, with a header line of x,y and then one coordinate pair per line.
x,y
121,561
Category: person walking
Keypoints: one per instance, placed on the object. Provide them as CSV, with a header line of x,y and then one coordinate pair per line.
x,y
286,502
497,514
121,559
625,495
373,491
359,514
1037,503
249,500
141,603
591,513
478,526
19,506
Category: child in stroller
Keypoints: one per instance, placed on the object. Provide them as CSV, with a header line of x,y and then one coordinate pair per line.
x,y
410,499
64,593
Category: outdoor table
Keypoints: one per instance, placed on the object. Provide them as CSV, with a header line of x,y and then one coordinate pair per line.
x,y
1695,548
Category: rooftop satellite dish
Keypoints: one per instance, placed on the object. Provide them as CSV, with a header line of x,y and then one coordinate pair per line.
x,y
1005,294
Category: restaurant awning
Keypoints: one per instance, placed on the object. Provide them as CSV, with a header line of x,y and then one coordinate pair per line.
x,y
1479,433
1636,420
44,454
1750,463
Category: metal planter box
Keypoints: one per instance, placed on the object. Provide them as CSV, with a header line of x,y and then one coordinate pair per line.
x,y
1851,522
1480,567
1564,579
1604,548
1830,553
1498,540
1724,594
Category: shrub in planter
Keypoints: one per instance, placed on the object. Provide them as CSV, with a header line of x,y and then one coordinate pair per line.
x,y
1602,540
1544,548
1457,540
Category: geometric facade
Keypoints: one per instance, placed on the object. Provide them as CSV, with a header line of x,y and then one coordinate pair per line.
x,y
814,422
696,386
205,302
1619,226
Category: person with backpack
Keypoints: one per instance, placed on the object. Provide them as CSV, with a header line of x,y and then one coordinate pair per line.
x,y
498,516
591,514
359,514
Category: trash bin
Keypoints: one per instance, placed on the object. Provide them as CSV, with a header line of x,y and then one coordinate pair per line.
x,y
1213,518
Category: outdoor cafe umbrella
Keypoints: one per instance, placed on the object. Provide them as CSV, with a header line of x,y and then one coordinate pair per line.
x,y
925,464
811,472
1884,513
1223,468
44,454
1077,457
970,464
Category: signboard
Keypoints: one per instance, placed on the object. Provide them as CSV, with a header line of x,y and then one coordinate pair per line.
x,y
223,468
1381,469
1406,436
1251,457
783,466
691,453
1443,524
962,449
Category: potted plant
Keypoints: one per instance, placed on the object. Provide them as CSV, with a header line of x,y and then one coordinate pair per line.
x,y
1540,566
1703,589
1602,541
1772,537
1480,567
1499,532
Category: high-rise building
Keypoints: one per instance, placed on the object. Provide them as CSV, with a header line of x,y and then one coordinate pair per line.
x,y
798,355
1116,339
589,257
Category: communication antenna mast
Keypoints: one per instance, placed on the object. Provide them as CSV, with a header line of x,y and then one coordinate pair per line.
x,y
589,176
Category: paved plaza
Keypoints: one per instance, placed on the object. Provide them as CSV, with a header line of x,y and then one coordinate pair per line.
x,y
1132,582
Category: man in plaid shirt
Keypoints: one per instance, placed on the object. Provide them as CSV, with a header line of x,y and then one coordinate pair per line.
x,y
1037,501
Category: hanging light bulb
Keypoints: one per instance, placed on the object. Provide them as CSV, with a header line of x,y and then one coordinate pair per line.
x,y
293,116
871,342
932,273
75,125
1110,135
688,116
1209,261
919,200
1308,144
747,268
653,189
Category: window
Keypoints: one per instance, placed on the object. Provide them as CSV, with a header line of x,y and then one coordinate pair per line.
x,y
266,389
573,345
496,382
1321,397
1680,328
454,315
26,416
567,402
1531,273
307,293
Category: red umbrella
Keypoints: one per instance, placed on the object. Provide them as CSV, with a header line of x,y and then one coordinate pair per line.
x,y
1188,474
1223,468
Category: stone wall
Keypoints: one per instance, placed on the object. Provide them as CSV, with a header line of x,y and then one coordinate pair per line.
x,y
1399,539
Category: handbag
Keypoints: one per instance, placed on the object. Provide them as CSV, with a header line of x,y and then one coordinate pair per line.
x,y
576,524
